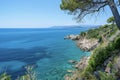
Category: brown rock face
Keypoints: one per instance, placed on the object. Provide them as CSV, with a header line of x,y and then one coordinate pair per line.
x,y
72,37
82,64
87,44
84,43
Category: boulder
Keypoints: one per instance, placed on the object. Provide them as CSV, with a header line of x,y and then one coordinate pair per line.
x,y
72,37
73,61
107,70
82,64
69,71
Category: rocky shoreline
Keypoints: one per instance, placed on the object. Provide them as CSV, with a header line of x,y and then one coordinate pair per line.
x,y
83,43
79,65
109,59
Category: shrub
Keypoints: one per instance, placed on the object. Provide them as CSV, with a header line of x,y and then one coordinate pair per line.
x,y
104,76
117,43
5,76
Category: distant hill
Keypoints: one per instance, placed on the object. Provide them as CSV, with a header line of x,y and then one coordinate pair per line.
x,y
76,26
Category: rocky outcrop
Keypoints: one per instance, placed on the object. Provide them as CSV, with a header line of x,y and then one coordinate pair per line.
x,y
72,37
72,62
87,44
82,63
83,43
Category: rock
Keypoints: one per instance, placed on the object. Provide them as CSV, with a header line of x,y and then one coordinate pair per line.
x,y
97,75
72,37
83,43
87,44
107,70
67,77
82,64
73,61
69,71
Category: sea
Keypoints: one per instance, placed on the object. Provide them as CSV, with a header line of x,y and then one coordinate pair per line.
x,y
43,48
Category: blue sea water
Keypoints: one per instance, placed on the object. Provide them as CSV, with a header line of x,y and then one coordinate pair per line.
x,y
44,48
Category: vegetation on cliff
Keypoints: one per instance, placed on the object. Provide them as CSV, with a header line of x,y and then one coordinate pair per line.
x,y
97,62
98,32
102,64
104,61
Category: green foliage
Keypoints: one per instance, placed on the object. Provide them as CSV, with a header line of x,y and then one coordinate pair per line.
x,y
5,76
98,57
30,75
24,77
67,3
111,20
114,29
104,76
93,33
72,5
101,53
97,33
82,8
83,34
117,43
110,64
87,76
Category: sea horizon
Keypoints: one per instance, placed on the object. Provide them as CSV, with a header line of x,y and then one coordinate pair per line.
x,y
59,26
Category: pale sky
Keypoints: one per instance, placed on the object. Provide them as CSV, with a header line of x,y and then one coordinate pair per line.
x,y
41,13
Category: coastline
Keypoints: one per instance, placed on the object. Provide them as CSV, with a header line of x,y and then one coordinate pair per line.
x,y
83,62
102,60
83,43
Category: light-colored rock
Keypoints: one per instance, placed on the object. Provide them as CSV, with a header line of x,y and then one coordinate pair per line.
x,y
87,44
72,37
69,71
84,43
67,77
83,63
73,61
107,70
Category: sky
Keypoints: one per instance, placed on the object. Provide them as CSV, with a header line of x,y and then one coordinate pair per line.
x,y
42,14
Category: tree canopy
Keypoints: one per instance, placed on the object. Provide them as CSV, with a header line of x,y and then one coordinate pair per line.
x,y
81,8
111,20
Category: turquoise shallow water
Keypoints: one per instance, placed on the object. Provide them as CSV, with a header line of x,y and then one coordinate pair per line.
x,y
44,48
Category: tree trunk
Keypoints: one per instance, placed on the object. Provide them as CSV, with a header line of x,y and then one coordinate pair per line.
x,y
115,13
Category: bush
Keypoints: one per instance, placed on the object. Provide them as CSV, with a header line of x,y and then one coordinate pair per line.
x,y
5,76
117,43
30,75
97,32
87,76
104,76
98,57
